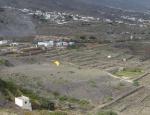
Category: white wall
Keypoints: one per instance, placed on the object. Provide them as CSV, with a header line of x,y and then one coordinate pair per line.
x,y
19,102
23,103
3,42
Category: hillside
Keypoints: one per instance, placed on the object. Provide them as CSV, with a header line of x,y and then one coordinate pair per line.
x,y
19,18
74,5
61,5
85,57
135,5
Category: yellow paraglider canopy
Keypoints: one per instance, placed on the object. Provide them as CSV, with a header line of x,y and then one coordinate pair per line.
x,y
57,63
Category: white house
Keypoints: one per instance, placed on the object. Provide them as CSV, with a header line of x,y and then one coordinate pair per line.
x,y
3,42
71,43
124,59
46,43
61,44
14,44
65,44
23,102
109,56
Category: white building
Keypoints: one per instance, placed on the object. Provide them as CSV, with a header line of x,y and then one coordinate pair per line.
x,y
23,102
71,43
61,44
65,44
46,43
3,42
14,44
124,59
109,56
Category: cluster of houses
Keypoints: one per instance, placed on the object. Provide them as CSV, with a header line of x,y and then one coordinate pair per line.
x,y
59,17
37,47
8,42
47,43
3,42
26,49
53,43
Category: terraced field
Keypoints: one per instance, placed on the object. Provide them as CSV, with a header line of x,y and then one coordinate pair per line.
x,y
90,57
84,69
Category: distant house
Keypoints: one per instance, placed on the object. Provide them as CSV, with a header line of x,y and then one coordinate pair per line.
x,y
23,102
65,44
109,56
71,43
3,42
14,44
55,43
46,43
61,44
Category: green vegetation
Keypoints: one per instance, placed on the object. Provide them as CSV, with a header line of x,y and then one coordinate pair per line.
x,y
2,62
73,47
73,100
92,38
136,83
107,99
106,113
5,62
37,101
10,91
83,37
129,72
92,83
83,104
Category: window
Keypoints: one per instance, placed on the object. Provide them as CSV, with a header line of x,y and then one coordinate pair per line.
x,y
25,102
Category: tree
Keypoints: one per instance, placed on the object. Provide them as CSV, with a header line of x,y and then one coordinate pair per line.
x,y
82,37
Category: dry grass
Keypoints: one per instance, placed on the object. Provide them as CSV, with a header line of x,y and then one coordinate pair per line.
x,y
45,113
7,112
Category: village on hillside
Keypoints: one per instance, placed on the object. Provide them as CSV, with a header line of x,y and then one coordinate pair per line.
x,y
39,45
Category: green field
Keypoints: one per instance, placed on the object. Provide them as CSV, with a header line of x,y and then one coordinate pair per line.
x,y
129,72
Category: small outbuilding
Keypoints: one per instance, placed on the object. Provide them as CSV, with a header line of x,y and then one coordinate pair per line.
x,y
109,56
61,44
14,44
46,43
71,43
23,102
124,59
3,42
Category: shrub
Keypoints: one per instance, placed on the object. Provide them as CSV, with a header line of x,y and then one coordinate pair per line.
x,y
10,90
2,62
73,47
106,113
5,62
136,83
83,37
73,100
92,38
